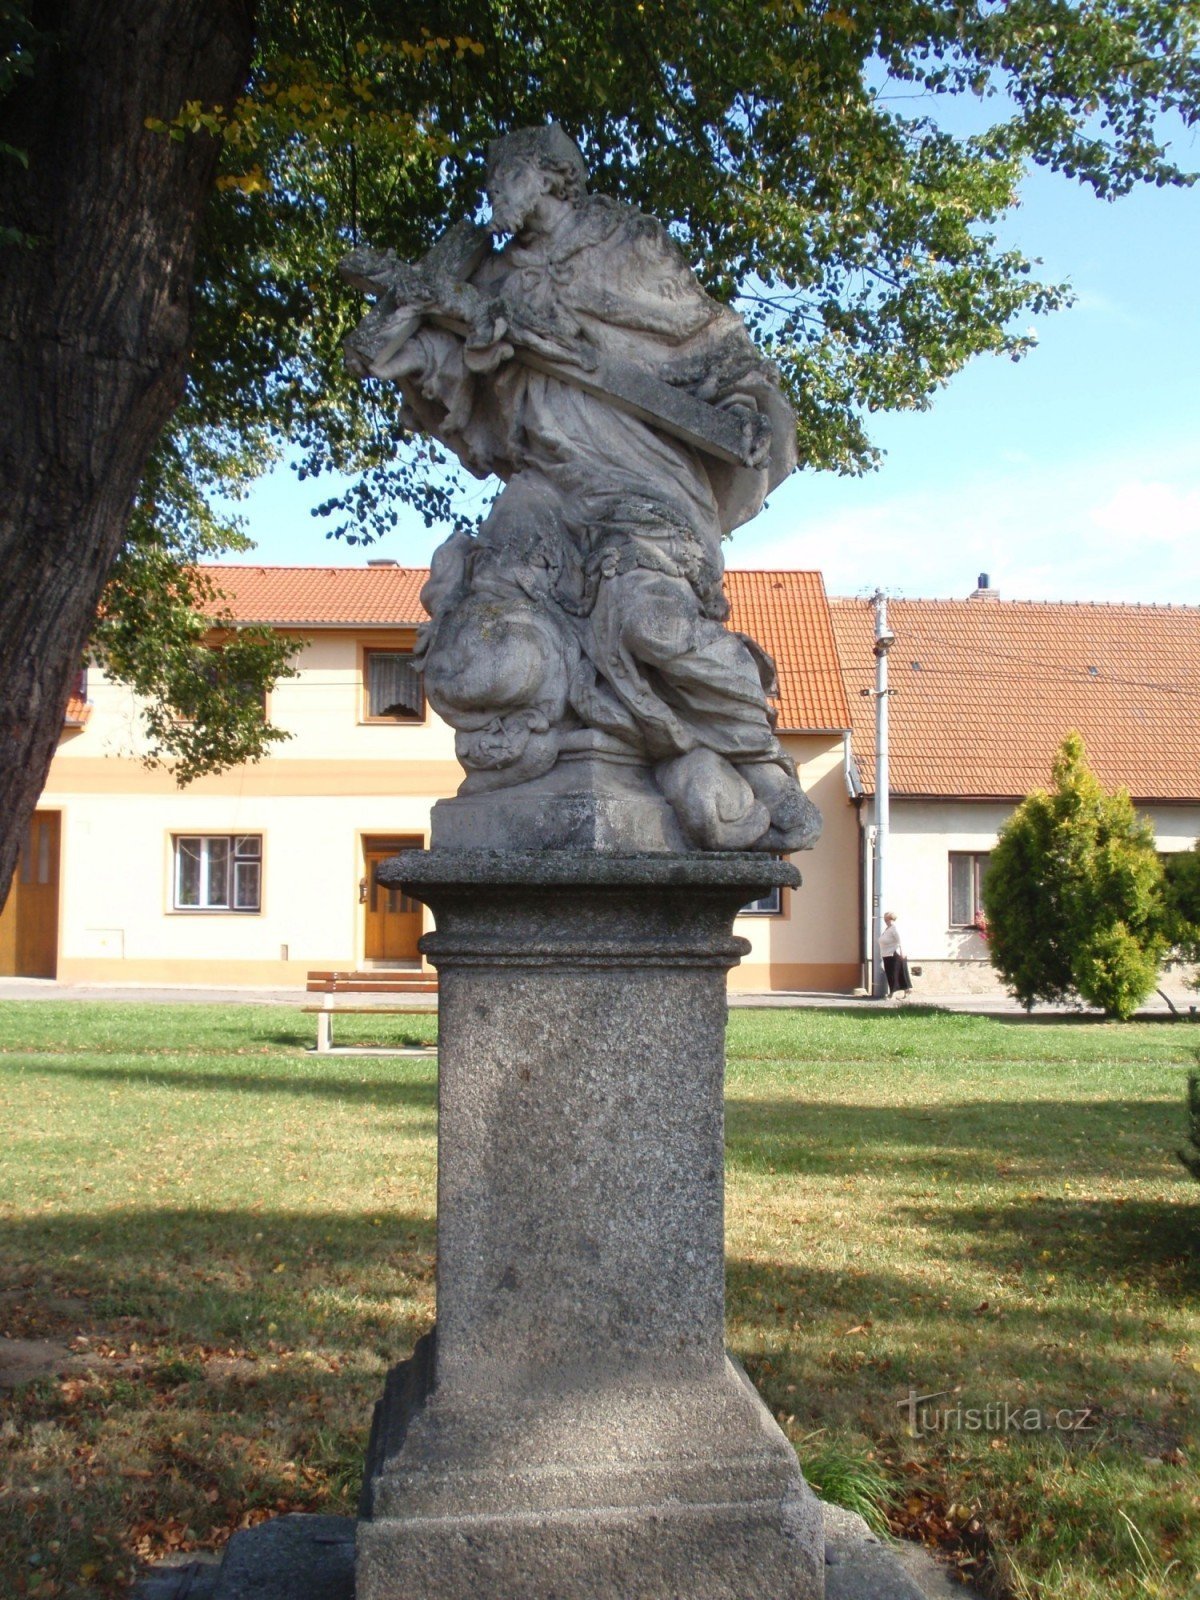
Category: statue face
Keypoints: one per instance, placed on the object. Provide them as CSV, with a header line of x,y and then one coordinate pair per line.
x,y
517,192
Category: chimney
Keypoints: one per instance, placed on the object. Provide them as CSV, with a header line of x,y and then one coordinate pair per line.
x,y
383,561
984,590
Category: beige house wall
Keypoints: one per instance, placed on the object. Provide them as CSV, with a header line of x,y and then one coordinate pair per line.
x,y
321,708
312,800
339,778
814,943
923,835
118,924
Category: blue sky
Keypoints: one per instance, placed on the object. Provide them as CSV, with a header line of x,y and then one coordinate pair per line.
x,y
1071,475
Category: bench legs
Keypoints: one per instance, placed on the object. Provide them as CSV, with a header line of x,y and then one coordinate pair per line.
x,y
324,1031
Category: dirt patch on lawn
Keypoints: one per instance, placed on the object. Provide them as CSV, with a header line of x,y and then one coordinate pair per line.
x,y
23,1360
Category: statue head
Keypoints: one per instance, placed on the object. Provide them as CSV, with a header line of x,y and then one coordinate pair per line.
x,y
547,152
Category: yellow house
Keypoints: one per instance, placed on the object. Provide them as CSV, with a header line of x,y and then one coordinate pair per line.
x,y
262,873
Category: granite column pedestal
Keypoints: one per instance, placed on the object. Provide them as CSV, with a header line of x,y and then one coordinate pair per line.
x,y
575,1428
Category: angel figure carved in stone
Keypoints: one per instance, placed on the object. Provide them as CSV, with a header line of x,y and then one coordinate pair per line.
x,y
567,348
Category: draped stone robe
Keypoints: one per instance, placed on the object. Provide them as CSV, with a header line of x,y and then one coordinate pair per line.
x,y
611,522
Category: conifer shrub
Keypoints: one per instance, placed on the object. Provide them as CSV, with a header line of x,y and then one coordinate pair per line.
x,y
1181,904
1074,894
1190,1154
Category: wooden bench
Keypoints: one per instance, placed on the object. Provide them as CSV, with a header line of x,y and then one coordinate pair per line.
x,y
332,984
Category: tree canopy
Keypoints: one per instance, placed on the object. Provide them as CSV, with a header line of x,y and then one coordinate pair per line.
x,y
1073,893
799,150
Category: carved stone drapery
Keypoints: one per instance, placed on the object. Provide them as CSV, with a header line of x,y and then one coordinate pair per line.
x,y
570,351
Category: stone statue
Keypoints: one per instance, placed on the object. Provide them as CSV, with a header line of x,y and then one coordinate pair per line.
x,y
567,348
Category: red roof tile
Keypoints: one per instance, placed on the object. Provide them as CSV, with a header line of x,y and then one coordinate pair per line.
x,y
986,690
321,597
786,612
77,713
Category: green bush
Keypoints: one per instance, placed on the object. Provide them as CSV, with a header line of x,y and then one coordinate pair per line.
x,y
1074,894
1181,903
1114,971
1191,1156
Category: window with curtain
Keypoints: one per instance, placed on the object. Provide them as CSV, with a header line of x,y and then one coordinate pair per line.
x,y
394,691
218,872
967,870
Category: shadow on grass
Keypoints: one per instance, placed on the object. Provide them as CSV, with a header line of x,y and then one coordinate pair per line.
x,y
1077,1019
966,1142
886,1013
209,1366
280,1080
301,1039
843,1350
1046,1019
769,1296
209,1276
1089,1240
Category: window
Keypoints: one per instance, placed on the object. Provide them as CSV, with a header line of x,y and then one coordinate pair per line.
x,y
769,905
967,869
394,692
218,872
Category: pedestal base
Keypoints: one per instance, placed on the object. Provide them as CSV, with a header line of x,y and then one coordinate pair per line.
x,y
641,1490
312,1558
578,1432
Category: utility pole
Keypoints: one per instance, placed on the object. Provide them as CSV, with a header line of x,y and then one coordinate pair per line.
x,y
884,639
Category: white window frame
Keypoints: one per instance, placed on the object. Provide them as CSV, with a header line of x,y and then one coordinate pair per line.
x,y
767,905
978,860
243,852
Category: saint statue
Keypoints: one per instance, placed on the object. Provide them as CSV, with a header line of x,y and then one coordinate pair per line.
x,y
567,348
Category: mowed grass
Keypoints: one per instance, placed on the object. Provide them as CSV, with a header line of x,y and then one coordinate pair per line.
x,y
220,1241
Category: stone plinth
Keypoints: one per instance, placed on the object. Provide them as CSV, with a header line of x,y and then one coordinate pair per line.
x,y
587,803
576,1429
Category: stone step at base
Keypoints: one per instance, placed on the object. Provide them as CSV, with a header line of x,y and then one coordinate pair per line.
x,y
312,1558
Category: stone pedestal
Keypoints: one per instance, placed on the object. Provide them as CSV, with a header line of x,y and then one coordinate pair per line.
x,y
586,804
576,1429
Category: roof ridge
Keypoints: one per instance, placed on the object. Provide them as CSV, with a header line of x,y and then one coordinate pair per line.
x,y
273,566
423,567
987,607
778,572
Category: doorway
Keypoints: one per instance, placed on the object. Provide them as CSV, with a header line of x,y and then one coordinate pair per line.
x,y
29,921
392,921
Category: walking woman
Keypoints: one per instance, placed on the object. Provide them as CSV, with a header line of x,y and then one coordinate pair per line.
x,y
895,967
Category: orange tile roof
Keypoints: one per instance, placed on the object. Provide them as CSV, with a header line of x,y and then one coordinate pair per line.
x,y
786,612
985,691
321,597
77,713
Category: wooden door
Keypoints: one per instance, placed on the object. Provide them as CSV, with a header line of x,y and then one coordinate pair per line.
x,y
393,921
29,923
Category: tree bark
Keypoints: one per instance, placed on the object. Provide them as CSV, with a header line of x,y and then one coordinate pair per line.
x,y
94,326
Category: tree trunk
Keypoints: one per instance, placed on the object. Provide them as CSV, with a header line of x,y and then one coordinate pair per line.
x,y
94,326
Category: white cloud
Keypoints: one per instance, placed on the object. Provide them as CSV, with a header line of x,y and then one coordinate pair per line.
x,y
1151,509
1087,529
1097,303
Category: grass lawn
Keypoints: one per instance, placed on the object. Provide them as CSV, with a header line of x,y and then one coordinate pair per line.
x,y
218,1243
